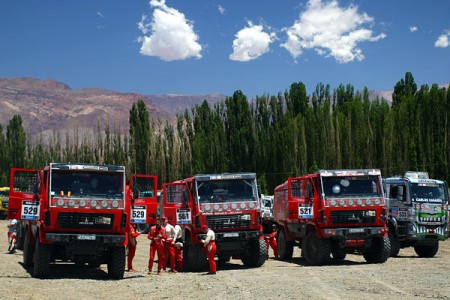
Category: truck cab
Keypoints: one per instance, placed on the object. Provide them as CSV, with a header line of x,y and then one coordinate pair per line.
x,y
418,213
144,201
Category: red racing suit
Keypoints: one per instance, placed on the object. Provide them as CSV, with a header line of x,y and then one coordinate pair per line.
x,y
132,244
157,237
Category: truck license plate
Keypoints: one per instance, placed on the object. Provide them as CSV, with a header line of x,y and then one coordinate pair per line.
x,y
86,237
231,234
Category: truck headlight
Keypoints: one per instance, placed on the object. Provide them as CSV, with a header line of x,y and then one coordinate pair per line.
x,y
246,217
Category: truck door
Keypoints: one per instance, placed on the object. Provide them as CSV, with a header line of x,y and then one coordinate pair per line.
x,y
301,206
24,184
176,203
144,205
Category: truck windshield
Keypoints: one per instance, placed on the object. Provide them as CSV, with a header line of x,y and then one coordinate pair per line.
x,y
428,192
83,184
226,191
351,186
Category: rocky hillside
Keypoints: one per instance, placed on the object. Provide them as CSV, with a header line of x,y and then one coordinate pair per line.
x,y
46,105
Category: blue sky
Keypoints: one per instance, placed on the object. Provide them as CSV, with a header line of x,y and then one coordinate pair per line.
x,y
220,46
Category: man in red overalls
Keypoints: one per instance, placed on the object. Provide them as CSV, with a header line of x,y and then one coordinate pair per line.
x,y
157,235
132,243
270,239
210,247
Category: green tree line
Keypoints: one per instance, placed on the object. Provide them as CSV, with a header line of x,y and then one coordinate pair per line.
x,y
276,136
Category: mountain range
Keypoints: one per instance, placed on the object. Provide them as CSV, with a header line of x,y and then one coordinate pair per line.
x,y
48,105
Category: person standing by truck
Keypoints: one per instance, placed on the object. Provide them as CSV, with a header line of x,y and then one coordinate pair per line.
x,y
270,231
210,248
132,244
178,245
169,248
12,234
157,236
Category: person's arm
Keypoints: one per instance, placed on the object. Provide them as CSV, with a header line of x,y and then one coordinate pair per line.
x,y
208,238
133,232
176,232
150,235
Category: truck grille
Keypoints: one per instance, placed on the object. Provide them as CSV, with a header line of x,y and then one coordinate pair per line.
x,y
85,220
351,217
226,222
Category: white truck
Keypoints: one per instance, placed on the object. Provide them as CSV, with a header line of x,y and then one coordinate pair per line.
x,y
418,213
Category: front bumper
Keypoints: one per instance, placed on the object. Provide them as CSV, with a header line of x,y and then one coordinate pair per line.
x,y
357,233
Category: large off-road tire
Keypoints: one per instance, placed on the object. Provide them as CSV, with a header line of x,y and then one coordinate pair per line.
x,y
28,250
194,258
395,244
224,258
42,255
338,254
427,250
116,262
20,235
257,254
379,250
285,248
317,250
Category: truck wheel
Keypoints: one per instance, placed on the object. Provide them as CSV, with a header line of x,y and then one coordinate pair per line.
x,y
194,257
427,250
395,244
42,257
257,254
285,248
28,251
224,258
338,254
20,236
116,263
379,250
317,250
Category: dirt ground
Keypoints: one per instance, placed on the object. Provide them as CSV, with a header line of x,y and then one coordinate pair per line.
x,y
405,277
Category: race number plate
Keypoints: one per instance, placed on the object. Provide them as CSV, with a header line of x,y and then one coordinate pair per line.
x,y
138,214
30,210
86,237
305,211
183,216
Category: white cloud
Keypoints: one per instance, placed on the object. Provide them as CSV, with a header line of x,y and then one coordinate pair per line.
x,y
251,42
172,37
413,28
221,9
331,31
442,41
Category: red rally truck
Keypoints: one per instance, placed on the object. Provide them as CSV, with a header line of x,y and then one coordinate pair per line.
x,y
229,204
71,212
144,203
332,213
